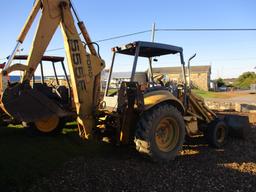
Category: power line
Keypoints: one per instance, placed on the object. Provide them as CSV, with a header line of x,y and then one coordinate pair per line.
x,y
108,39
122,36
209,29
185,30
166,29
57,49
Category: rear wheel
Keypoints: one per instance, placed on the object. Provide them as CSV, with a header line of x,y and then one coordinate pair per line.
x,y
47,126
160,132
216,134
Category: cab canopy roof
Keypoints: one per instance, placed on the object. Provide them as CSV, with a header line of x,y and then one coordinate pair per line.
x,y
148,49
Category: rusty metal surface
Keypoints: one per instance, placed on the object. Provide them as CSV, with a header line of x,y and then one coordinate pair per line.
x,y
198,107
29,105
130,106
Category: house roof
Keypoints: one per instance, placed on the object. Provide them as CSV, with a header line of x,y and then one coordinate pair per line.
x,y
174,70
163,70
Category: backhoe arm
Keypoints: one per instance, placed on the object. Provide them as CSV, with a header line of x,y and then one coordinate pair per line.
x,y
84,68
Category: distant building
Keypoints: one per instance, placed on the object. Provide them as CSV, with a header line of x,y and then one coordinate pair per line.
x,y
200,75
118,77
229,81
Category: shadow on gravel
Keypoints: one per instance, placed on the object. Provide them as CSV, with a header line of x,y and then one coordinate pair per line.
x,y
65,163
236,150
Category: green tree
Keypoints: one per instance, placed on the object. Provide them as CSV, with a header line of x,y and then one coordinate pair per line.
x,y
220,82
245,80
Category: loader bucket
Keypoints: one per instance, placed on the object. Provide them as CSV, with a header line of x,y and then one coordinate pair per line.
x,y
26,104
239,126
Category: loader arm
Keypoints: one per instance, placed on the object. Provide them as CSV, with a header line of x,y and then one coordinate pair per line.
x,y
84,68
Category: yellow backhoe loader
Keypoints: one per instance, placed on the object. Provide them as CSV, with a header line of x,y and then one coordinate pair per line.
x,y
148,113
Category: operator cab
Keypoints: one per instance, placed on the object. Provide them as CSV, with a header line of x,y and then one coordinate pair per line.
x,y
148,51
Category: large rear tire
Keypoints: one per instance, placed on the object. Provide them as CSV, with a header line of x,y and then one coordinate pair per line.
x,y
160,132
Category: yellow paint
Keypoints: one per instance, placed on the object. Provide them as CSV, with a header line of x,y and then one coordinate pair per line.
x,y
84,68
47,125
155,97
17,67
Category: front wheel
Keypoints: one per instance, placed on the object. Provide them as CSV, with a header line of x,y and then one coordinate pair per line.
x,y
216,134
160,132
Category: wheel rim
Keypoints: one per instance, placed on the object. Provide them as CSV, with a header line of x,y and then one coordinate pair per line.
x,y
167,134
220,134
47,125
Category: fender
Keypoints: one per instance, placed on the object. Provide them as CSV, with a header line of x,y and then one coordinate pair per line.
x,y
153,98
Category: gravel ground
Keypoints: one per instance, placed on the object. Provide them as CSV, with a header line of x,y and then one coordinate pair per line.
x,y
197,168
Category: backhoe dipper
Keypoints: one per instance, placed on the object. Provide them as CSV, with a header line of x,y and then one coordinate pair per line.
x,y
31,105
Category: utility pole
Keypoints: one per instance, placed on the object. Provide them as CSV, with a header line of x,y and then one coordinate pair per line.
x,y
153,32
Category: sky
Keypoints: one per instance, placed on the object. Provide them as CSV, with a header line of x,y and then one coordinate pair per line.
x,y
229,53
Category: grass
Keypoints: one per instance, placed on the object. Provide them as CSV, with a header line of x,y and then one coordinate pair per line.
x,y
112,91
210,94
25,158
201,93
204,94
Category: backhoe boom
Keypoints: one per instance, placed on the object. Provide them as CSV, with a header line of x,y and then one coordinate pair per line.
x,y
84,68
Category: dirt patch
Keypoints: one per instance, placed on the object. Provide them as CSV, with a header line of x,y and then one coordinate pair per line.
x,y
198,168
